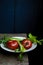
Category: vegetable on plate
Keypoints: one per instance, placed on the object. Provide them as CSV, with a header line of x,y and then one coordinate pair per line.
x,y
20,45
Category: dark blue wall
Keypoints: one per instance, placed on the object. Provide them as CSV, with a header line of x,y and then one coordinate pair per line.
x,y
6,16
26,15
19,16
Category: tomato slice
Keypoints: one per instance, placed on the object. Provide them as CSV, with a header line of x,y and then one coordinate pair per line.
x,y
12,44
27,43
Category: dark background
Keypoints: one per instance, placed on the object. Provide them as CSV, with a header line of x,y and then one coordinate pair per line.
x,y
23,16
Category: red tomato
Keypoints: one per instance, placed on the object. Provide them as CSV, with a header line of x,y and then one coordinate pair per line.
x,y
27,43
12,44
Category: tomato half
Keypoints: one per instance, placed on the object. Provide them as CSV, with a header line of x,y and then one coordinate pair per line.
x,y
12,44
27,43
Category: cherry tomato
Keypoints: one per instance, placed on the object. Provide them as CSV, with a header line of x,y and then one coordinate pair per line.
x,y
27,43
12,44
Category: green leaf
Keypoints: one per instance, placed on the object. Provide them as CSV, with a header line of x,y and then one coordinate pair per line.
x,y
14,39
22,49
34,39
20,56
17,50
39,42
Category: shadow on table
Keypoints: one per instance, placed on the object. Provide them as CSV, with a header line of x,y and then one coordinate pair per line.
x,y
36,56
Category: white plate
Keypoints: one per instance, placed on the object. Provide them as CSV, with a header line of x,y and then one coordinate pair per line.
x,y
21,38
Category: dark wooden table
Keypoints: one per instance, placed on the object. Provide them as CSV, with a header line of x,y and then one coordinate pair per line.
x,y
8,58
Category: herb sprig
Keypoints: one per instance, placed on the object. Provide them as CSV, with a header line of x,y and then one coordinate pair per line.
x,y
34,39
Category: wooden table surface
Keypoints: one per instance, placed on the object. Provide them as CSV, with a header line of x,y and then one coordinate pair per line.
x,y
8,58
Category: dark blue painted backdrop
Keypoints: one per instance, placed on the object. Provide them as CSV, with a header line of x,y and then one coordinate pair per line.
x,y
17,16
26,14
6,16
